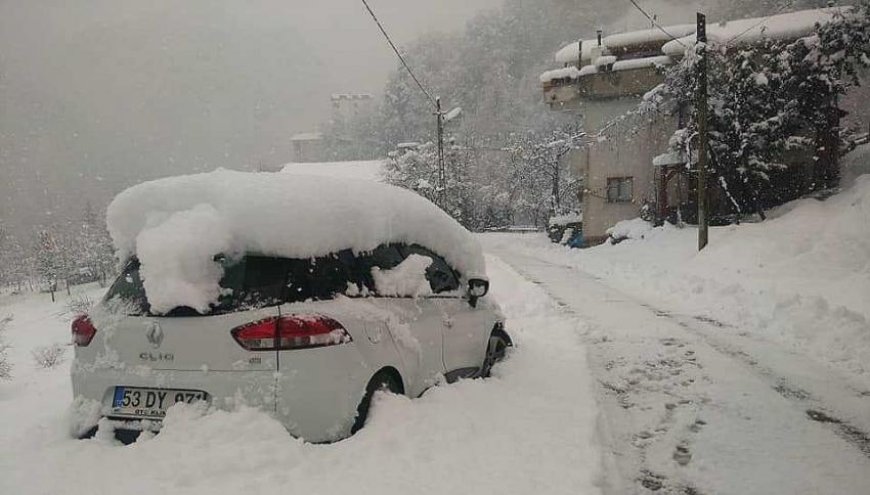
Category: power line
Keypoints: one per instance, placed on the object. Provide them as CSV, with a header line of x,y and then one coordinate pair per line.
x,y
396,50
655,23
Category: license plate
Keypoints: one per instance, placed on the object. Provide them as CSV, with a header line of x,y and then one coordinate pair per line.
x,y
150,403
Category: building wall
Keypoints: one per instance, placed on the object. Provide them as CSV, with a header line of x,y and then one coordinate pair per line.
x,y
311,150
626,150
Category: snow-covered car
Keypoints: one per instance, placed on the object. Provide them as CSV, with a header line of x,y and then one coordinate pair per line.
x,y
298,295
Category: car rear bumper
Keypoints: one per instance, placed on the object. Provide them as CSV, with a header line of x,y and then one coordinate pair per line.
x,y
314,396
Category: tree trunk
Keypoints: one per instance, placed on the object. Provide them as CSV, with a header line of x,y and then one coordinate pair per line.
x,y
557,203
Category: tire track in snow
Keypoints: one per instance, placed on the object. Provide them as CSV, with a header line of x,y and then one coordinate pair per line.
x,y
816,409
812,407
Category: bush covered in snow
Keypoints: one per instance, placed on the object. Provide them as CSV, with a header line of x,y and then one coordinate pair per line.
x,y
629,229
49,356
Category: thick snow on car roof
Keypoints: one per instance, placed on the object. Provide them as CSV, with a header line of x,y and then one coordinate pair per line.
x,y
176,225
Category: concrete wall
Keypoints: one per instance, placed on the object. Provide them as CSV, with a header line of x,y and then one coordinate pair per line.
x,y
627,150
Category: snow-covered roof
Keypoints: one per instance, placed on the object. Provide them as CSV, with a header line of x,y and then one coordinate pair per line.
x,y
604,60
176,225
640,63
789,26
647,36
351,96
307,136
570,72
570,54
366,170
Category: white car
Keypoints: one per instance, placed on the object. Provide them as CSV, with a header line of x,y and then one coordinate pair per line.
x,y
264,319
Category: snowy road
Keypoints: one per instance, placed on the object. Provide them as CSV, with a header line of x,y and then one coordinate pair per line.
x,y
691,408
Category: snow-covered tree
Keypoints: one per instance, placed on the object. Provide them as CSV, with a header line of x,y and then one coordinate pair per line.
x,y
13,266
417,169
770,100
540,175
51,264
92,247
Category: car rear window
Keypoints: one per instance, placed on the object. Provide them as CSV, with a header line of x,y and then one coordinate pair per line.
x,y
259,281
251,282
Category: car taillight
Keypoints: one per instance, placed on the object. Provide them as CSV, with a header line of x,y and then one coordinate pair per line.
x,y
290,332
83,331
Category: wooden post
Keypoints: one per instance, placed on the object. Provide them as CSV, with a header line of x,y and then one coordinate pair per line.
x,y
441,177
701,108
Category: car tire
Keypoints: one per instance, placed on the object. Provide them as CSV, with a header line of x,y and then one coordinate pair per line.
x,y
496,348
383,380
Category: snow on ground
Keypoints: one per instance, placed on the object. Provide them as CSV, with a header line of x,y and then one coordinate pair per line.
x,y
528,429
691,405
801,279
368,170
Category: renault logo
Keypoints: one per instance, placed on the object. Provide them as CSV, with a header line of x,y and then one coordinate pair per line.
x,y
154,334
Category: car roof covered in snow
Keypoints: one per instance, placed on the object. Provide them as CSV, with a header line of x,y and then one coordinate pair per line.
x,y
177,225
292,215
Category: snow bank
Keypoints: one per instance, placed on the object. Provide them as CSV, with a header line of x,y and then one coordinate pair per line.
x,y
630,229
176,226
855,164
801,278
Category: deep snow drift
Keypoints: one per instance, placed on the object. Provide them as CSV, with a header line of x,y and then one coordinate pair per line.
x,y
528,429
801,278
178,224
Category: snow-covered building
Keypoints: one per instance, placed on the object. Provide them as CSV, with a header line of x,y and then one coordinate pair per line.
x,y
308,147
604,81
346,105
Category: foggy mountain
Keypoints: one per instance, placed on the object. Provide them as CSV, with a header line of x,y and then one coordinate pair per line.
x,y
98,95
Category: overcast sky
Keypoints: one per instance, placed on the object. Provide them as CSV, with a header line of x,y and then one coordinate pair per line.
x,y
99,94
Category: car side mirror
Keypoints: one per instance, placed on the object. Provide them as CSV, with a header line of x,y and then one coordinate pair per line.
x,y
477,288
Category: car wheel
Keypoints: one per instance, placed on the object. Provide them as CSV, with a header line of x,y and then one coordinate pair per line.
x,y
496,349
382,381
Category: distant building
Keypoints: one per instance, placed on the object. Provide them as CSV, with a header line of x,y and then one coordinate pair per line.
x,y
347,105
308,147
625,167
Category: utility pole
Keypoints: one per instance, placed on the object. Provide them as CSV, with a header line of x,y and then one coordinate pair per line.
x,y
441,178
703,138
